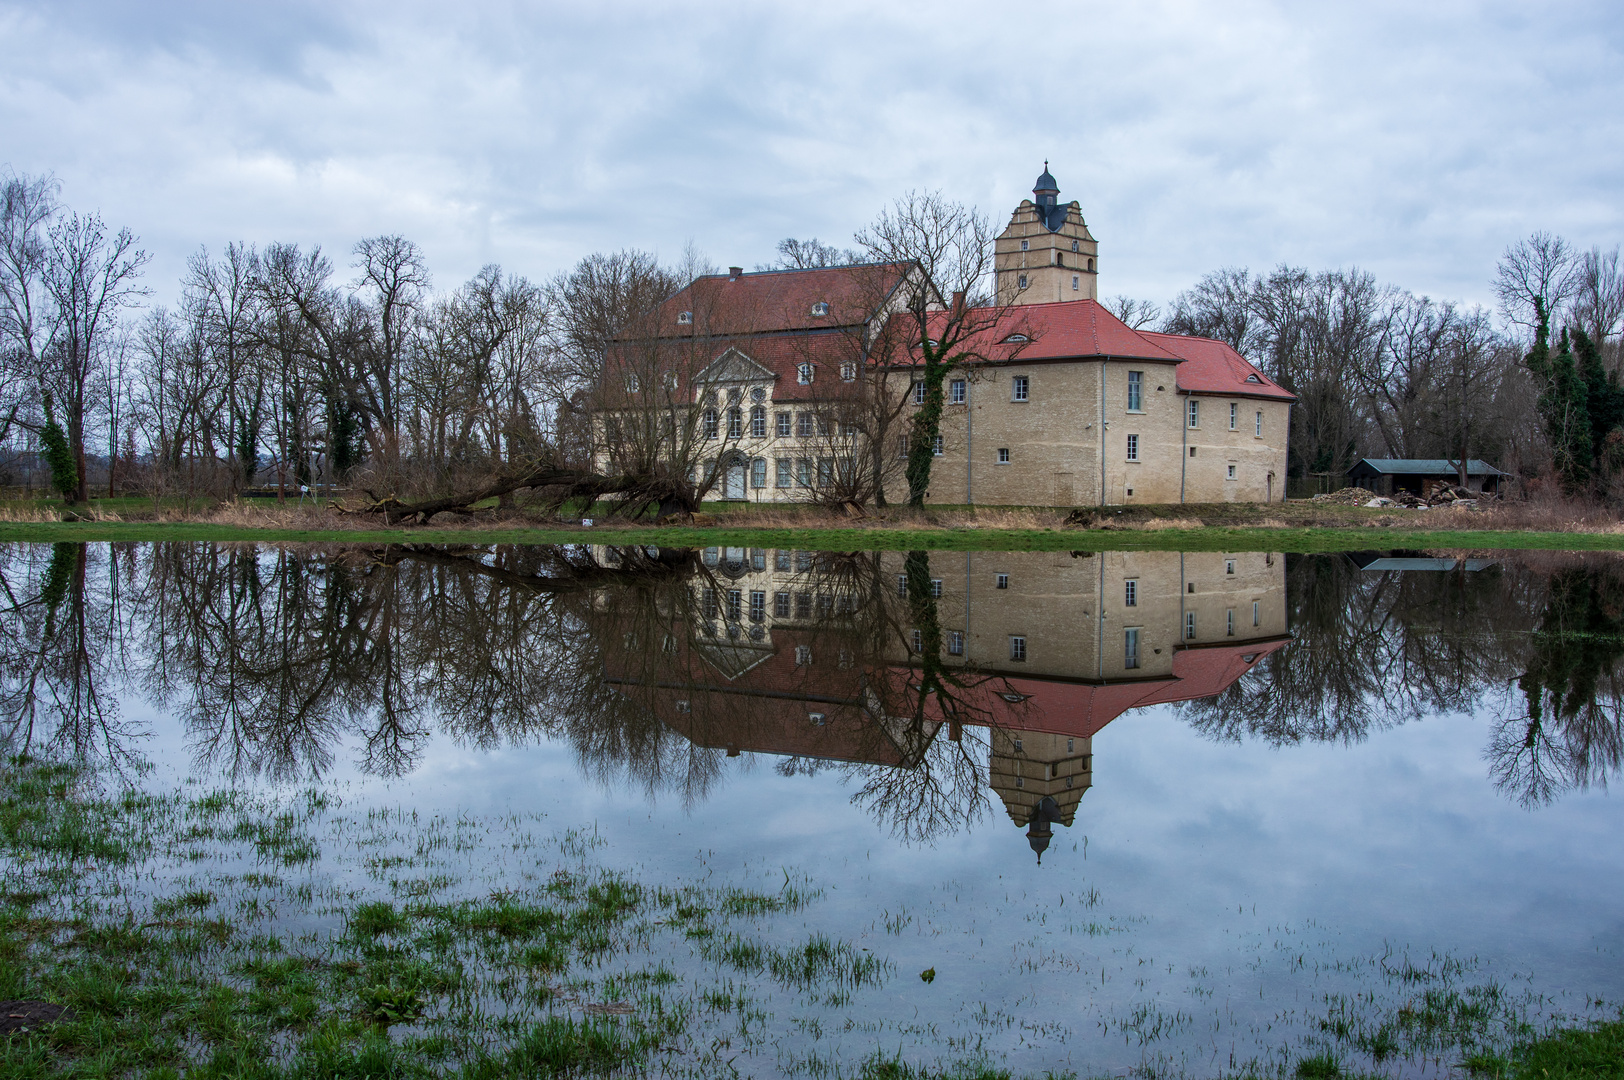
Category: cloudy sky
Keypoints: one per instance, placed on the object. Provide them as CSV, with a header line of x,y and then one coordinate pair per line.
x,y
1415,140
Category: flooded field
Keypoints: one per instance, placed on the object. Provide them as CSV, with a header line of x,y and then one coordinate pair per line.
x,y
400,810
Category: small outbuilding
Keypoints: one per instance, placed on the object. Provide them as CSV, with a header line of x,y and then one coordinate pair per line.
x,y
1386,476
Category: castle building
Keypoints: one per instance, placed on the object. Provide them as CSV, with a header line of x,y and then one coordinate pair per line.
x,y
1054,401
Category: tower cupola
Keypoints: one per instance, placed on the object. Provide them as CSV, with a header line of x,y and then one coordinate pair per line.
x,y
1046,194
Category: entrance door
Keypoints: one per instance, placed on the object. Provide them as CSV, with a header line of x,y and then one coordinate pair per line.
x,y
733,483
1064,492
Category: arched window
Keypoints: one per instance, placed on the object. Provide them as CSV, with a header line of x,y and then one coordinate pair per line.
x,y
1091,266
758,426
710,423
735,422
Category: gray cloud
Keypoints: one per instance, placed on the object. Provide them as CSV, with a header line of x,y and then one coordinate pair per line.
x,y
1415,143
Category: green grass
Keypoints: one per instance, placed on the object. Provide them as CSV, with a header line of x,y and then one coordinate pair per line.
x,y
868,539
1592,1051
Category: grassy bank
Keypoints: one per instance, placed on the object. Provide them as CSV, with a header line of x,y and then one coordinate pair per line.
x,y
877,538
1298,527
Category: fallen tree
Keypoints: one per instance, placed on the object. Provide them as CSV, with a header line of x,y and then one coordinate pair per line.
x,y
633,492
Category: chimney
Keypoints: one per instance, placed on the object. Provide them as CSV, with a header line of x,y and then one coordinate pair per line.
x,y
733,272
958,303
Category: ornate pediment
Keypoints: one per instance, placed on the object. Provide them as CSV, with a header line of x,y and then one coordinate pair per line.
x,y
734,366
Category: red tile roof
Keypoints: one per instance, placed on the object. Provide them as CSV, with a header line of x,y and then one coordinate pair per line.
x,y
1211,367
780,300
1085,329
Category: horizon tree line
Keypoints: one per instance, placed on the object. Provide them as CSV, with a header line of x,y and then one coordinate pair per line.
x,y
278,369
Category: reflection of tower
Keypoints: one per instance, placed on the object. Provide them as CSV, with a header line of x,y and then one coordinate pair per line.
x,y
1041,778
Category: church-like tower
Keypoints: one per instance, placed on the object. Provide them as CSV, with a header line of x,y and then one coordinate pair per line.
x,y
1047,253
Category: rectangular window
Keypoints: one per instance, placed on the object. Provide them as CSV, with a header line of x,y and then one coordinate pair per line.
x,y
1254,613
805,425
936,587
1229,566
758,473
1189,626
956,391
1231,474
1133,448
758,423
803,605
955,643
1017,648
710,423
918,641
803,472
707,603
803,561
902,584
758,605
936,446
1074,283
781,605
1258,431
783,425
1136,391
1130,647
1003,455
803,656
803,374
1229,620
918,393
1025,244
1234,415
1001,581
826,471
735,605
1020,388
735,424
781,560
1195,413
1021,281
758,558
902,446
1130,593
786,472
848,372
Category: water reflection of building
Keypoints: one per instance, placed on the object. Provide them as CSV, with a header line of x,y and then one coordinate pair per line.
x,y
822,656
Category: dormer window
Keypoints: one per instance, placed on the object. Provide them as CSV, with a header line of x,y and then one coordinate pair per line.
x,y
803,374
1016,339
848,372
632,384
685,318
820,308
1253,378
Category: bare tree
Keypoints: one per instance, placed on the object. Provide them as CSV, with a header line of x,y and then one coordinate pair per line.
x,y
1137,314
810,254
90,278
1534,278
27,323
944,311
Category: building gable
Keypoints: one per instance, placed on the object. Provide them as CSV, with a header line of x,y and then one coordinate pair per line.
x,y
734,366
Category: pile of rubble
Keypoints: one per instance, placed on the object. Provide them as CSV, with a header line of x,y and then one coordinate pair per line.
x,y
1438,494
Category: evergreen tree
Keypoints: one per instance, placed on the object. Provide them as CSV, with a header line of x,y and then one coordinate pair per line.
x,y
1604,396
1563,404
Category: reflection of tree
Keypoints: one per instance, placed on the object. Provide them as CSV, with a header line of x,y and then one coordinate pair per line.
x,y
58,630
1376,649
946,783
1570,734
1371,650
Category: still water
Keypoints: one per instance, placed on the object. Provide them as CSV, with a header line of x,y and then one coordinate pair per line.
x,y
1178,812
